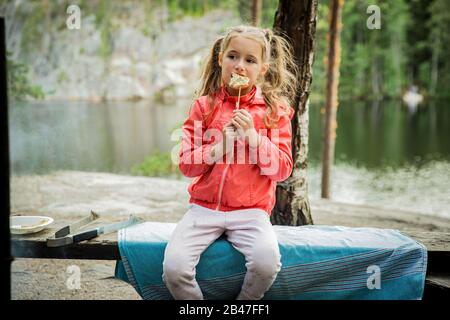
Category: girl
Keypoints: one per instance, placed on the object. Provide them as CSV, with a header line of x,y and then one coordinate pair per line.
x,y
235,198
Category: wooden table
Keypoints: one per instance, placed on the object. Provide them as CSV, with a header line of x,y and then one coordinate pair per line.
x,y
34,245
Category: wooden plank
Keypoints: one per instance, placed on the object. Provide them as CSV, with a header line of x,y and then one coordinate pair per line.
x,y
105,247
91,250
433,241
439,280
437,287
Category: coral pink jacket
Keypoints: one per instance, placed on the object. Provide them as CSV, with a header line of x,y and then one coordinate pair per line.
x,y
249,179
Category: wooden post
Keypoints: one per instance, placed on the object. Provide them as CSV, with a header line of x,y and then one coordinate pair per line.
x,y
296,20
4,175
334,54
256,12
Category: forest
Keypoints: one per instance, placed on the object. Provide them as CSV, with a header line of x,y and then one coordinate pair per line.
x,y
409,49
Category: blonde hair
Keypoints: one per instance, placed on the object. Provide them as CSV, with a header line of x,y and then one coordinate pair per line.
x,y
278,85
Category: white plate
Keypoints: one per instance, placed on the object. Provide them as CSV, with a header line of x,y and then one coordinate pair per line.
x,y
28,224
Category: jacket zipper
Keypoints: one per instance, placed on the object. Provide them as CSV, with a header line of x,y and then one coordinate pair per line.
x,y
222,181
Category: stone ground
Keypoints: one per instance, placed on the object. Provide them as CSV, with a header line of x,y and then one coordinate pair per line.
x,y
73,194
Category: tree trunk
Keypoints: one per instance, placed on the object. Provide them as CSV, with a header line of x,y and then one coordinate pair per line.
x,y
296,20
434,67
376,85
334,57
256,12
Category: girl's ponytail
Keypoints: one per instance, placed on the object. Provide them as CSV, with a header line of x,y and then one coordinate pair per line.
x,y
211,75
280,81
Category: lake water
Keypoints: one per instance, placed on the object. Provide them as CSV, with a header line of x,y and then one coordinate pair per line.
x,y
385,155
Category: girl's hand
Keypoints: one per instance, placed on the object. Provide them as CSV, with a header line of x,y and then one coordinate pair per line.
x,y
243,121
229,136
222,148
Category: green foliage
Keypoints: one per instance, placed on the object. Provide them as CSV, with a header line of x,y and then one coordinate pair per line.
x,y
19,85
103,22
383,63
159,164
38,22
320,53
195,8
62,76
439,41
33,28
373,62
156,165
268,9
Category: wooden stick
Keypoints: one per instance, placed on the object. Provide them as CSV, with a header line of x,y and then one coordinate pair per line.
x,y
239,98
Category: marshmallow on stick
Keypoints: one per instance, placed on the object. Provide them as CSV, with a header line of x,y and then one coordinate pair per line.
x,y
237,81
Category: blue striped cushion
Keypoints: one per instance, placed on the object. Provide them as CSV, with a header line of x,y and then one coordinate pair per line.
x,y
318,262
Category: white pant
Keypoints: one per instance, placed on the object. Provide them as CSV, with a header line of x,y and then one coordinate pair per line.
x,y
249,231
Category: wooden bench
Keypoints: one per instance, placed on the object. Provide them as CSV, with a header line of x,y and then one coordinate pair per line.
x,y
105,247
